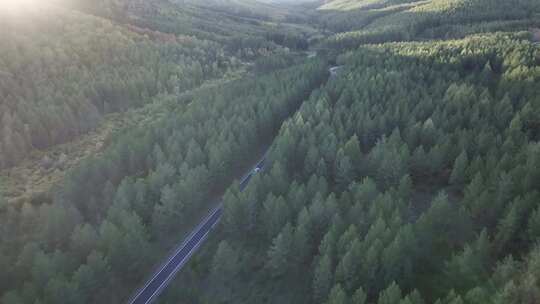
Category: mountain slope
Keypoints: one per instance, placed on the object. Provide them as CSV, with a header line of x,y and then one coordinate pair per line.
x,y
379,21
411,177
67,69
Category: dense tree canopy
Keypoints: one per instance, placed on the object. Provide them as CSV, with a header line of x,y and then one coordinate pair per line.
x,y
410,175
401,181
62,71
374,21
108,220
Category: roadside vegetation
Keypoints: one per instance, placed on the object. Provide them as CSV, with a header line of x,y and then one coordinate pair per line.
x,y
101,233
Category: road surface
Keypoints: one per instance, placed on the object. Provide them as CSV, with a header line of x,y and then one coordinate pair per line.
x,y
162,277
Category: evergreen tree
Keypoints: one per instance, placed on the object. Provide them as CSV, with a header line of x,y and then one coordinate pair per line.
x,y
337,296
322,281
534,225
225,264
344,171
353,152
458,175
279,254
83,240
359,297
470,267
391,295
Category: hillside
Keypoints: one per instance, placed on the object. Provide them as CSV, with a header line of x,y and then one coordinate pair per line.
x,y
83,83
216,20
254,8
378,21
400,142
75,68
113,66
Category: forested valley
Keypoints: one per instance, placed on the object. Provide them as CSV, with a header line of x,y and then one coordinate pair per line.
x,y
400,137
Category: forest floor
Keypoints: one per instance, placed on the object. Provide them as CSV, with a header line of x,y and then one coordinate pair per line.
x,y
32,179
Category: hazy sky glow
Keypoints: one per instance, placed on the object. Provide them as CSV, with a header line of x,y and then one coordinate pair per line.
x,y
17,7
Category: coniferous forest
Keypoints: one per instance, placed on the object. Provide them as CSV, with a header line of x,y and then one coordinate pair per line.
x,y
400,142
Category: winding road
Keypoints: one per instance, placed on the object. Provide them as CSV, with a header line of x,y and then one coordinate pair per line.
x,y
167,271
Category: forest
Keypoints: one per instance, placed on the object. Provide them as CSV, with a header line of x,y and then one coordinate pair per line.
x,y
75,248
412,178
407,174
383,21
76,68
64,71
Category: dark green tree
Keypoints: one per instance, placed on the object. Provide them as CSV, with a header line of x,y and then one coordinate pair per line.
x,y
279,255
337,296
458,175
322,281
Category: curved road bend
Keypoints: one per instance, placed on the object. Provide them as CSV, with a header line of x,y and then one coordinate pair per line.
x,y
162,277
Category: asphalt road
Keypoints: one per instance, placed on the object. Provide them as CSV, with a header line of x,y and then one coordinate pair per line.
x,y
162,277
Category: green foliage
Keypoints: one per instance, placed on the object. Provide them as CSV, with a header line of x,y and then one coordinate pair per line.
x,y
225,265
375,21
322,281
280,254
459,169
337,296
111,216
66,78
355,194
391,295
399,123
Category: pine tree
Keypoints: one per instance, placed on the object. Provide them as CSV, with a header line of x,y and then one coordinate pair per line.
x,y
225,264
470,267
359,296
353,151
322,280
169,212
83,240
347,271
413,298
391,295
405,188
279,254
534,225
460,168
344,171
302,241
488,76
275,215
346,240
235,212
337,296
92,277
